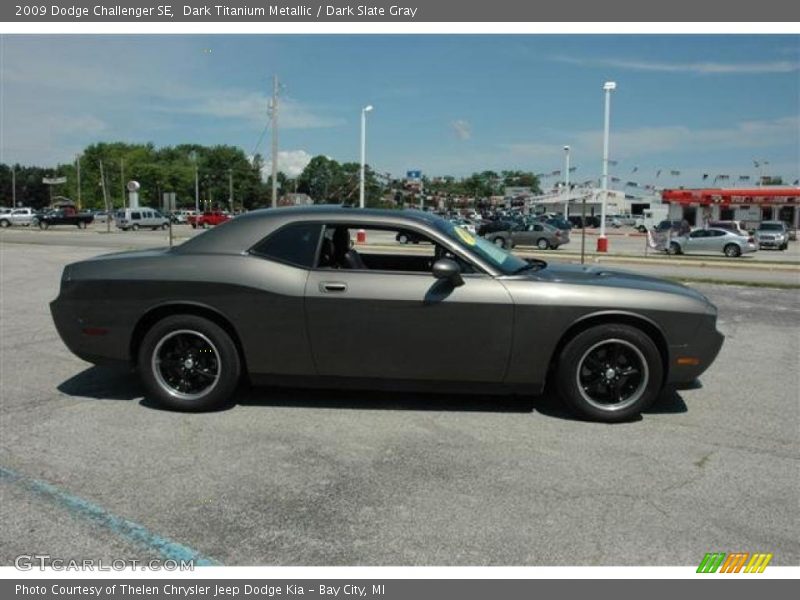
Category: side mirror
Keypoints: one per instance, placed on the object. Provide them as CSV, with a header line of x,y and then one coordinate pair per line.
x,y
448,269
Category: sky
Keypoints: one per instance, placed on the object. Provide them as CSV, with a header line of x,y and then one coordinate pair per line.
x,y
444,104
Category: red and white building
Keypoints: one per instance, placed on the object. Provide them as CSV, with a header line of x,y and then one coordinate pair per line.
x,y
751,205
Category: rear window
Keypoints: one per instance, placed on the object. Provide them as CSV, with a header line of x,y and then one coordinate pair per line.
x,y
295,244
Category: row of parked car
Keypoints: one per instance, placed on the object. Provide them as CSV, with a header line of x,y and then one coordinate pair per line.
x,y
126,219
728,237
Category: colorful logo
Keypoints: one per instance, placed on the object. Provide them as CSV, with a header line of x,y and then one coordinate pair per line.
x,y
737,562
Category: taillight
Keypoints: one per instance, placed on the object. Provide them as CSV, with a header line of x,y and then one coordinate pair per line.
x,y
750,240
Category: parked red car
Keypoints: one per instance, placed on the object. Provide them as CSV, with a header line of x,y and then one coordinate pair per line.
x,y
208,219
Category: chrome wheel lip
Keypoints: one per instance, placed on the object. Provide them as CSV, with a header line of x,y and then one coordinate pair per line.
x,y
637,393
155,364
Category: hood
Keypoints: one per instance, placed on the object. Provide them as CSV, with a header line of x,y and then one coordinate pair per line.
x,y
611,278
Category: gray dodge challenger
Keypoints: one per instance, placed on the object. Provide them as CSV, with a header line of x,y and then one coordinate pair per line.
x,y
285,297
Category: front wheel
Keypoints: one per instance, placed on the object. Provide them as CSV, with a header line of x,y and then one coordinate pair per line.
x,y
610,373
732,250
164,226
135,227
5,223
189,363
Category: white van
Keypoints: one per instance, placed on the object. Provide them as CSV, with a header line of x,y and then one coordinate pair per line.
x,y
651,217
134,218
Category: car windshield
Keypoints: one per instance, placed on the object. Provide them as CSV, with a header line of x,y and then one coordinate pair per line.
x,y
771,227
503,261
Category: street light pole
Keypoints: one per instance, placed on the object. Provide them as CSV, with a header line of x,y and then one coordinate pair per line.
x,y
566,182
364,112
602,241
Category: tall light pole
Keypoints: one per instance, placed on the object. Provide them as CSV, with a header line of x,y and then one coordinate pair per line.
x,y
364,112
602,241
274,118
566,182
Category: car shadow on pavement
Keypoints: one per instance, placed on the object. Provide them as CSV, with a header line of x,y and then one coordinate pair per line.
x,y
104,383
108,383
382,400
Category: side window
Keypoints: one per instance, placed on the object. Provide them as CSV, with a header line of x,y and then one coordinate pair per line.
x,y
295,244
136,215
715,233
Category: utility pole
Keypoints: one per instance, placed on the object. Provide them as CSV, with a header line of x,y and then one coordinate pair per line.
x,y
274,118
14,186
230,188
105,198
78,173
122,179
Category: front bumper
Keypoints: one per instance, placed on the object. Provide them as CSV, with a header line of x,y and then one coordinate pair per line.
x,y
704,349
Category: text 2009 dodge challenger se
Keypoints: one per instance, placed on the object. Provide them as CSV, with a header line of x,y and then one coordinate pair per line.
x,y
284,297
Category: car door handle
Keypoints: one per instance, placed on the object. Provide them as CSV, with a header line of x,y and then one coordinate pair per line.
x,y
332,286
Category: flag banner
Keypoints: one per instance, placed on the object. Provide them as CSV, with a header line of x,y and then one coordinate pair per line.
x,y
631,184
674,173
705,176
658,173
744,177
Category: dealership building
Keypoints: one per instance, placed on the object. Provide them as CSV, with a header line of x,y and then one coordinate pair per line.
x,y
751,205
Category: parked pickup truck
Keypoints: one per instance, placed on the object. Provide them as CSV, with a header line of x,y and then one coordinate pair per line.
x,y
63,216
18,216
208,219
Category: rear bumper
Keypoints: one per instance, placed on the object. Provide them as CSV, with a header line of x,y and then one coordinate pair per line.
x,y
92,342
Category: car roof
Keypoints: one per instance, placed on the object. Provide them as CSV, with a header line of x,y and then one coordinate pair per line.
x,y
243,231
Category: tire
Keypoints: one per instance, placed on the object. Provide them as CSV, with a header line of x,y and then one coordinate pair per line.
x,y
43,225
500,242
164,226
403,239
204,225
194,225
732,251
542,244
135,227
81,225
594,385
189,363
674,249
5,223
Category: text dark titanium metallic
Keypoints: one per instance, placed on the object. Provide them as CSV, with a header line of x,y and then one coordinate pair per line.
x,y
282,297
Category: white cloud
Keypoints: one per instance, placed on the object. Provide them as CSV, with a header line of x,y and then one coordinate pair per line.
x,y
462,128
699,67
290,162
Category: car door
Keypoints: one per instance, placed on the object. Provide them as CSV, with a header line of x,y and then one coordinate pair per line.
x,y
524,236
408,325
695,241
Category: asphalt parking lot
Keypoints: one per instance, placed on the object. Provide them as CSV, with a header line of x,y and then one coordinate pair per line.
x,y
293,477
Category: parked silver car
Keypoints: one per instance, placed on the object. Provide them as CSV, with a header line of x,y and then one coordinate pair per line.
x,y
772,234
538,234
706,241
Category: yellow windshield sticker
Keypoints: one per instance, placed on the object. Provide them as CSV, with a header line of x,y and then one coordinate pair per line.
x,y
465,236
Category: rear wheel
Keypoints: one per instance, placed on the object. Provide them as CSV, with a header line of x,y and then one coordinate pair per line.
x,y
542,244
610,373
5,223
674,248
189,363
732,250
164,226
135,227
